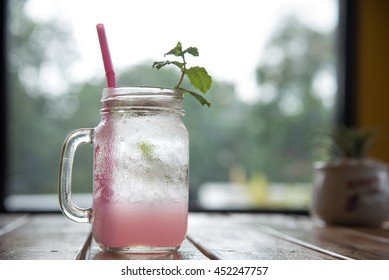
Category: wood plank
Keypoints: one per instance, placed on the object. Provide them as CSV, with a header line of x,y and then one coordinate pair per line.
x,y
44,237
373,233
6,219
10,222
210,236
229,237
346,241
187,252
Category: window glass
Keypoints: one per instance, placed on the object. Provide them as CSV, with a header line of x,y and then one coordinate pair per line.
x,y
273,66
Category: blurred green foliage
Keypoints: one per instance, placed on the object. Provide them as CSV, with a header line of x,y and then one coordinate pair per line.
x,y
264,137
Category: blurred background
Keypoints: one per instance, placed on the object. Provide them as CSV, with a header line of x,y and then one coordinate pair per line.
x,y
283,71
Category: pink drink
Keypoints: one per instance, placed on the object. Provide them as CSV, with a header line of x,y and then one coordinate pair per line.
x,y
140,227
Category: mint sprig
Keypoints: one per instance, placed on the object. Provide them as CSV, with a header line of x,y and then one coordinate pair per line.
x,y
198,76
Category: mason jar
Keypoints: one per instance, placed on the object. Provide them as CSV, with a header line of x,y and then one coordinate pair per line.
x,y
140,171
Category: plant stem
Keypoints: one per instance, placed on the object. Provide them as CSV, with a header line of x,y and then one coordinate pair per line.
x,y
183,71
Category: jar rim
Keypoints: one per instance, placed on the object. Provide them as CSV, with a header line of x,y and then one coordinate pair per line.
x,y
140,91
144,98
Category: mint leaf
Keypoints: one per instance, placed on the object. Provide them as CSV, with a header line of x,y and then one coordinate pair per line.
x,y
193,51
198,97
160,64
145,148
177,50
178,64
199,78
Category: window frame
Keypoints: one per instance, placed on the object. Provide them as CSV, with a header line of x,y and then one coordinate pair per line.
x,y
346,55
3,107
346,93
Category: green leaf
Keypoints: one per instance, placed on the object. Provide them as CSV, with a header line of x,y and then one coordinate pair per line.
x,y
198,97
177,50
178,64
199,78
192,50
160,64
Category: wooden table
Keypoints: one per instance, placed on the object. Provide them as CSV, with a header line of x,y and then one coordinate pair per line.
x,y
210,236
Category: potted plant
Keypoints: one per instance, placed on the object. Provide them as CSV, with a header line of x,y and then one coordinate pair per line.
x,y
351,188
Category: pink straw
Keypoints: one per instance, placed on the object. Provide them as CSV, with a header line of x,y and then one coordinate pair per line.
x,y
109,72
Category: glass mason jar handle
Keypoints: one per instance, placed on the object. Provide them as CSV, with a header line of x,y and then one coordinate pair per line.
x,y
72,211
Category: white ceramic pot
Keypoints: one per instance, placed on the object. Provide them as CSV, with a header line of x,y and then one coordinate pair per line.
x,y
351,192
